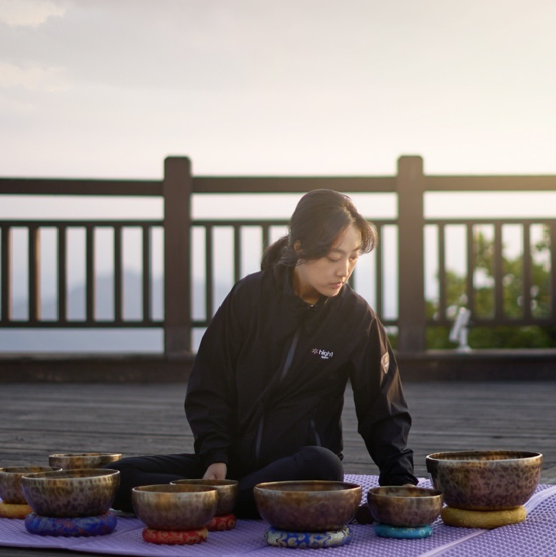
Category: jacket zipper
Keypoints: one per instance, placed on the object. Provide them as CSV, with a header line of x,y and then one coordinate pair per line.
x,y
285,369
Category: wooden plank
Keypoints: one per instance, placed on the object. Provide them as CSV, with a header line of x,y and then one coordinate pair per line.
x,y
37,419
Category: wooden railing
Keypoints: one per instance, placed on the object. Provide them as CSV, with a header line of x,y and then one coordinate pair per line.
x,y
177,188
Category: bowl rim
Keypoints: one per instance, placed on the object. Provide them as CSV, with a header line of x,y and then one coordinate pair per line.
x,y
205,482
169,488
431,493
73,455
275,486
27,469
456,456
72,474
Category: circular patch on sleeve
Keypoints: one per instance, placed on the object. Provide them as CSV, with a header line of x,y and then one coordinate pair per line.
x,y
385,363
482,519
313,540
14,510
386,531
221,523
71,527
175,537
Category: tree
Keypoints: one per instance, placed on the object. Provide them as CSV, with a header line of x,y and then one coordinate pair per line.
x,y
484,298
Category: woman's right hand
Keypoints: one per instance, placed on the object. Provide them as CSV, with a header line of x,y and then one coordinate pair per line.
x,y
216,471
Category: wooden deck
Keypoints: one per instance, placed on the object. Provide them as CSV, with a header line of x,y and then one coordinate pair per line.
x,y
37,419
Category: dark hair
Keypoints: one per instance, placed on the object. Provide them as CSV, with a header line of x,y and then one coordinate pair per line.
x,y
319,218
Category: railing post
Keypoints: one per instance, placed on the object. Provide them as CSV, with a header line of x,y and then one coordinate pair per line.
x,y
177,189
411,252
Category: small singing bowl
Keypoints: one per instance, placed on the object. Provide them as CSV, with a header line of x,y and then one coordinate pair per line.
x,y
71,493
485,480
404,506
307,506
10,482
68,461
174,507
228,490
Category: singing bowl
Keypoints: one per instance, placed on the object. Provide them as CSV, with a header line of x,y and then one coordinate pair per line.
x,y
485,480
10,482
71,493
71,461
174,507
307,506
228,490
404,506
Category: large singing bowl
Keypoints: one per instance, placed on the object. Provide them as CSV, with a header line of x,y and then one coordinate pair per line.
x,y
228,490
307,506
71,493
174,507
10,482
404,506
485,480
82,460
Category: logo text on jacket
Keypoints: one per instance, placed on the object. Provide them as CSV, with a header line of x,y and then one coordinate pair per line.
x,y
324,354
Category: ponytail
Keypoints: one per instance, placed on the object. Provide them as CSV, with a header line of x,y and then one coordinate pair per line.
x,y
274,253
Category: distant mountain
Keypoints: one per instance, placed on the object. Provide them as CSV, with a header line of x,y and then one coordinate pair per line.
x,y
100,340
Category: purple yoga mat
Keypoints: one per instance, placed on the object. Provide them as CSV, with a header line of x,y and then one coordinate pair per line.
x,y
535,537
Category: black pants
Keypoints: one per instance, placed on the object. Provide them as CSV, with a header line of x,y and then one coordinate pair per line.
x,y
309,463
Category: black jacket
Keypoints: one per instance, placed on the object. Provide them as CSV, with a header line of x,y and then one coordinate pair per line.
x,y
270,374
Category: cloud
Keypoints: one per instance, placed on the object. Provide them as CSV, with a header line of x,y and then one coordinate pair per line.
x,y
32,77
30,13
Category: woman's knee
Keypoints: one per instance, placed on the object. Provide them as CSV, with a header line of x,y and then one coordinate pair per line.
x,y
125,464
320,463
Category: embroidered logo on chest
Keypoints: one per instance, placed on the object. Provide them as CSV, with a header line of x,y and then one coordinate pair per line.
x,y
324,354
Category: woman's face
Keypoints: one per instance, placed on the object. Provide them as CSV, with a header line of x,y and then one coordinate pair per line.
x,y
327,275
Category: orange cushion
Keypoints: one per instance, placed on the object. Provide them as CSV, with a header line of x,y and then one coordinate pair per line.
x,y
482,519
13,510
175,537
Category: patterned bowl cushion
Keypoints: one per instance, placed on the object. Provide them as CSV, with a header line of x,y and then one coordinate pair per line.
x,y
386,531
71,527
223,522
314,540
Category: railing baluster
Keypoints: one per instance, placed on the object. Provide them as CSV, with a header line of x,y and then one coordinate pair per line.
x,y
442,296
6,274
553,271
498,273
379,270
209,273
118,275
90,286
471,258
33,254
265,230
147,282
237,252
62,275
526,255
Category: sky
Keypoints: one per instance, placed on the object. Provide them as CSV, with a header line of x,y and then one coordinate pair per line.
x,y
109,88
